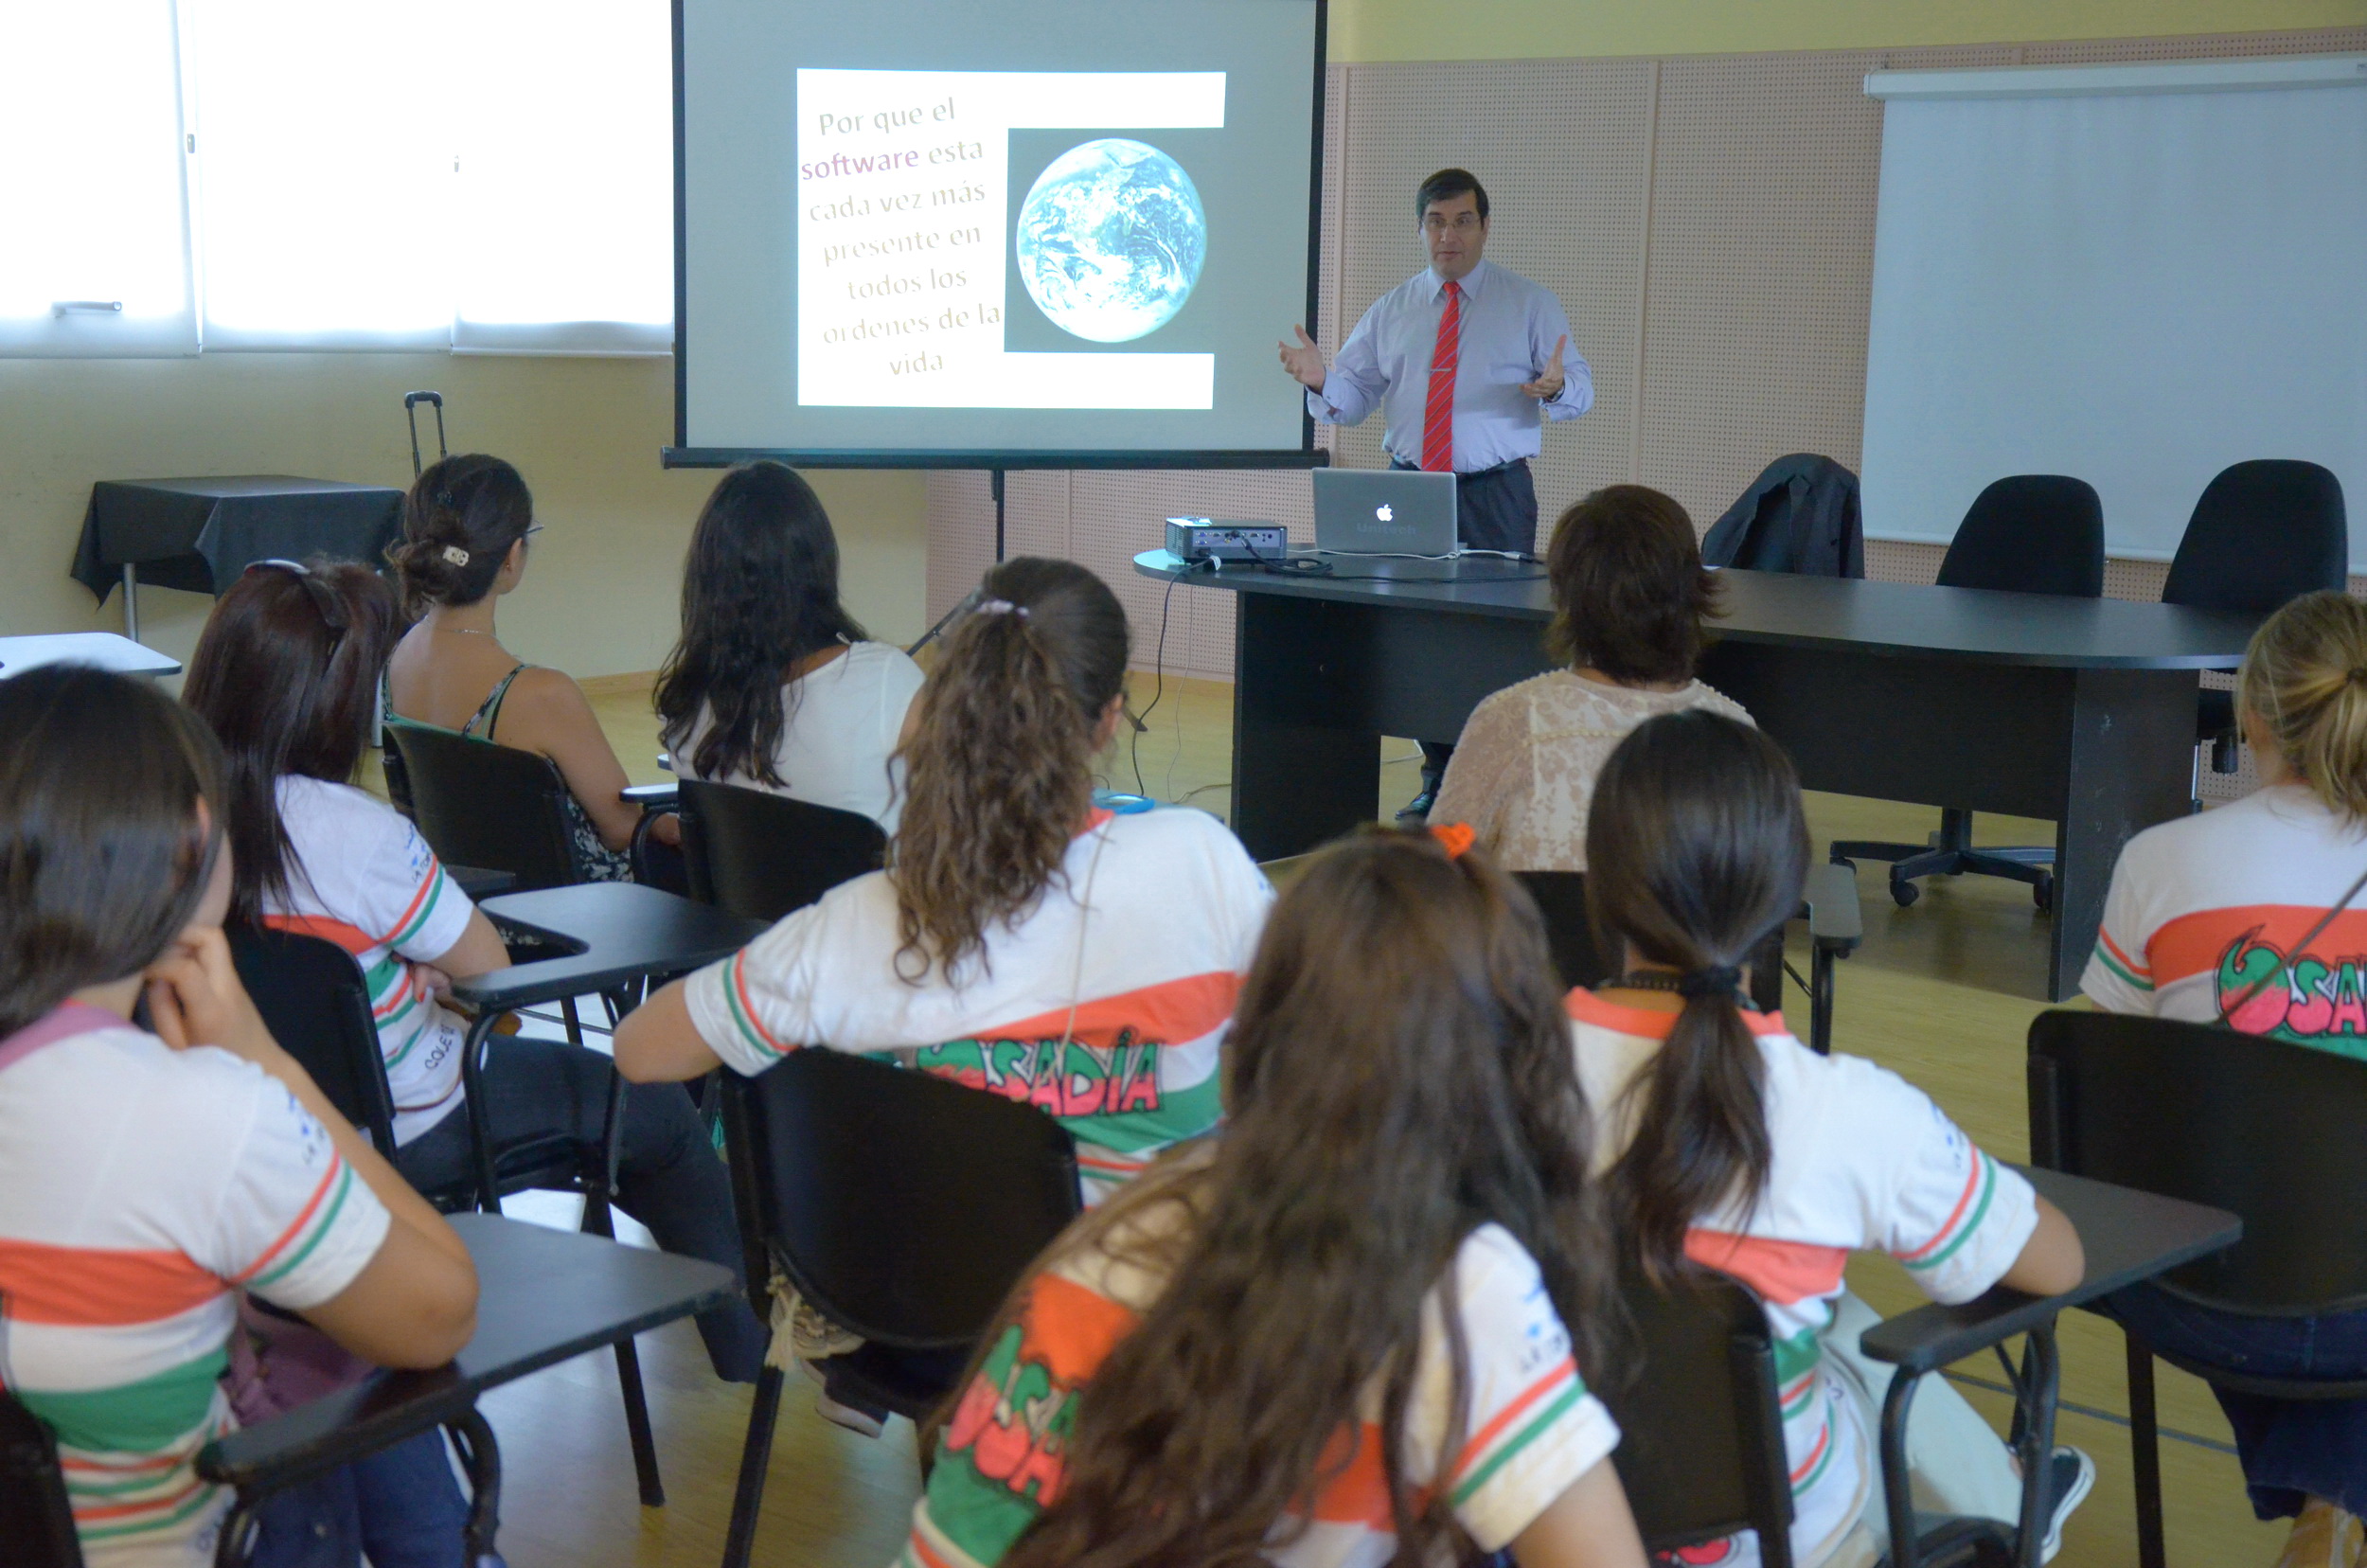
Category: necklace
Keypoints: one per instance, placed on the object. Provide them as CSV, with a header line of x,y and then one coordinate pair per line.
x,y
464,631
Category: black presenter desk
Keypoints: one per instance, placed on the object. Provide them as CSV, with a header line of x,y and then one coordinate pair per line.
x,y
2078,711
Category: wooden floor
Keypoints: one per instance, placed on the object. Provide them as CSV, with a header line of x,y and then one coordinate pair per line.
x,y
1943,992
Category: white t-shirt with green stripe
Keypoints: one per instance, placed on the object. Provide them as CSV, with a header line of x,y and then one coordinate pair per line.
x,y
1530,1427
1861,1160
1107,1004
369,883
140,1187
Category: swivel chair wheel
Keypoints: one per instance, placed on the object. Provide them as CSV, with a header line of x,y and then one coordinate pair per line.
x,y
1904,892
2042,894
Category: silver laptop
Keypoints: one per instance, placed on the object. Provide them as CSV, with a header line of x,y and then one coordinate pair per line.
x,y
1384,512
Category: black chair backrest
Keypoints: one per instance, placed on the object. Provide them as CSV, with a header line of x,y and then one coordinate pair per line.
x,y
2265,1128
481,804
761,855
36,1519
314,1002
1561,897
903,1206
1702,1447
2032,533
2263,532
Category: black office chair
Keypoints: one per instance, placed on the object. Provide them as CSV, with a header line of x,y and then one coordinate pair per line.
x,y
313,999
2032,533
761,855
36,1518
1830,907
482,805
903,1208
2263,532
2263,1128
1701,1441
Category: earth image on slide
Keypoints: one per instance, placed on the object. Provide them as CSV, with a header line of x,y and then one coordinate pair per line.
x,y
1110,239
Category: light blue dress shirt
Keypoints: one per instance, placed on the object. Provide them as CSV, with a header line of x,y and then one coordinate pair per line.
x,y
1509,326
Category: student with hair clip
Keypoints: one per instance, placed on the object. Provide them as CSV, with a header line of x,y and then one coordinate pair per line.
x,y
1724,1142
1021,940
2252,916
1632,603
150,1175
773,685
285,673
1342,1332
468,526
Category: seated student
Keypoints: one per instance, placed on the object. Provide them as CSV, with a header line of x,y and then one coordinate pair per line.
x,y
466,526
773,685
2206,921
1729,1143
147,1178
285,672
1630,595
1394,1227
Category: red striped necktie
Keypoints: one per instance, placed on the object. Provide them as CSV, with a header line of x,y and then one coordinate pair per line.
x,y
1438,412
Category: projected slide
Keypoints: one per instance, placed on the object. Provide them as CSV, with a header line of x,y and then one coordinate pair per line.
x,y
907,245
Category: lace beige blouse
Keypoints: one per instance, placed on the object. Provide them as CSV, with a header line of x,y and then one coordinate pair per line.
x,y
1523,770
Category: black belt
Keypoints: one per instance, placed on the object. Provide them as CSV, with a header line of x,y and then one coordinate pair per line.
x,y
1403,465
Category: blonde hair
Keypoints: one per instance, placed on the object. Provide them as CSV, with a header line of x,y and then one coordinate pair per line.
x,y
2306,677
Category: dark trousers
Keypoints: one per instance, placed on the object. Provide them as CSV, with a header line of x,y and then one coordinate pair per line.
x,y
400,1504
668,1174
1495,510
2290,1449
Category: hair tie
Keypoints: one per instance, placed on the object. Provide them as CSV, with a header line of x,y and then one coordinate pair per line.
x,y
1704,983
1455,836
443,498
1001,607
455,554
2358,675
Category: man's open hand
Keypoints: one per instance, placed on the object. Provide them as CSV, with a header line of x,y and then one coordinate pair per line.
x,y
1304,361
1548,382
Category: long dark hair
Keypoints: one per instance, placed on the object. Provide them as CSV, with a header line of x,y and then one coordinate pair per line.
x,y
1696,848
999,773
1399,1075
458,522
759,592
102,857
286,672
1629,591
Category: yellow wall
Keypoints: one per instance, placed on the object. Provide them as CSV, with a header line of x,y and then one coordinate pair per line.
x,y
602,596
1374,30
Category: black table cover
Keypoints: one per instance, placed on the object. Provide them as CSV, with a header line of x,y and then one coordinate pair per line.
x,y
200,534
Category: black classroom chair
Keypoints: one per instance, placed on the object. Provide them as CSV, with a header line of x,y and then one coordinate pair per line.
x,y
313,999
2263,533
36,1518
903,1208
1701,1441
2031,533
2263,1128
762,855
1835,929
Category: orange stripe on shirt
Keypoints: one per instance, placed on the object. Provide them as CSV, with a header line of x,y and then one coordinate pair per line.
x,y
435,873
1556,1375
2120,955
296,1226
1068,1330
927,1553
1167,1013
2192,944
350,937
1649,1023
1963,1200
1783,1272
100,1288
1359,1493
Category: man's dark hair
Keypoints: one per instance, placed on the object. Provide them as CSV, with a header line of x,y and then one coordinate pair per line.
x,y
1445,186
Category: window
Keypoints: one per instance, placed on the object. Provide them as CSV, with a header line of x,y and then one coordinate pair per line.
x,y
494,176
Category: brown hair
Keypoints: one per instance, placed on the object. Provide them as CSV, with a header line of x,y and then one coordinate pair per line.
x,y
2305,676
999,772
1696,848
1399,1075
286,674
1445,185
458,522
1630,590
103,858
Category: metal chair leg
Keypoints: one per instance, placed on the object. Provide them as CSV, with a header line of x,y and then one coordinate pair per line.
x,y
480,1123
2042,1383
2145,1454
755,1455
1897,1493
638,1425
481,1456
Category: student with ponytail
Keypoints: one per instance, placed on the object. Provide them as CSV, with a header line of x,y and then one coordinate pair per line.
x,y
1342,1334
2252,915
1726,1143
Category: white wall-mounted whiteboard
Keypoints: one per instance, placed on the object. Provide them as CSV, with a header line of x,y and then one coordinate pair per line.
x,y
2133,274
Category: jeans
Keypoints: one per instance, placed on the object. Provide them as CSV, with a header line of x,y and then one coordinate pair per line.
x,y
2291,1450
668,1175
400,1505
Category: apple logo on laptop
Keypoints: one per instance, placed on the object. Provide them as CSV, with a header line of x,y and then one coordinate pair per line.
x,y
1382,513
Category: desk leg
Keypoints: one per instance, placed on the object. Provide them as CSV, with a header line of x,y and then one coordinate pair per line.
x,y
1298,782
1899,1499
2131,749
488,1197
130,602
2041,1385
481,1456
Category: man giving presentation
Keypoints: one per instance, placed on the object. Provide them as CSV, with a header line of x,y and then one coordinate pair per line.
x,y
1462,356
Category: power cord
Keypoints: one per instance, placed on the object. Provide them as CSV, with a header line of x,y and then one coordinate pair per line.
x,y
1158,671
